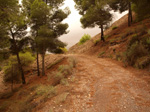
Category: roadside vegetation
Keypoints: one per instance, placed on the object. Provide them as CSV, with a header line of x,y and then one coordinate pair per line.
x,y
11,71
114,27
36,94
45,21
136,51
129,44
84,38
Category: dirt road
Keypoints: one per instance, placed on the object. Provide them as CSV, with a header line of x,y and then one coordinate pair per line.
x,y
103,86
2,86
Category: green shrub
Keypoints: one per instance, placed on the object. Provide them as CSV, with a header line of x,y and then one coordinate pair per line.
x,y
101,54
84,38
148,31
59,75
134,38
26,58
63,72
118,57
64,50
72,62
61,67
141,28
29,100
64,81
142,62
113,40
12,66
106,36
42,89
114,27
96,41
138,49
54,63
65,69
4,55
148,40
135,51
61,98
127,33
8,70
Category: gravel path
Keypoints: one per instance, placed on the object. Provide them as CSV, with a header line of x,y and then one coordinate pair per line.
x,y
103,86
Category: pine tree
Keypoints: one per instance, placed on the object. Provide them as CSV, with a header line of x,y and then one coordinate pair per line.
x,y
93,14
46,41
13,21
142,8
46,15
121,6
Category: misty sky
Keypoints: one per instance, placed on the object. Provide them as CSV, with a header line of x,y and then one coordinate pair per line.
x,y
75,29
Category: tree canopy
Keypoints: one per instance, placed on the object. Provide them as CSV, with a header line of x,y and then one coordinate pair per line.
x,y
93,14
46,24
43,16
14,26
142,8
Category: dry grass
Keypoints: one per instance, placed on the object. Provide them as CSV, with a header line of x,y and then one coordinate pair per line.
x,y
28,99
114,27
100,55
64,81
61,98
120,40
142,62
88,48
55,62
63,71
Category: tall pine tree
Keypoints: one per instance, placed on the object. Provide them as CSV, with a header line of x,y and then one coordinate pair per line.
x,y
93,14
46,15
14,23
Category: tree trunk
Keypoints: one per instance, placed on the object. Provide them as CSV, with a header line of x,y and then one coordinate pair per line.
x,y
37,60
18,58
21,69
130,19
102,34
131,16
43,64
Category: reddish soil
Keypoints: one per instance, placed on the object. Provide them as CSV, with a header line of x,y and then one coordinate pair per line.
x,y
1,82
97,84
101,85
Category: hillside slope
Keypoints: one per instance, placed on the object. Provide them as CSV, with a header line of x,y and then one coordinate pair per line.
x,y
100,85
117,39
89,45
86,79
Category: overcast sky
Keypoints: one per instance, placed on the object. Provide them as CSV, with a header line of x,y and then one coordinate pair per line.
x,y
75,29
